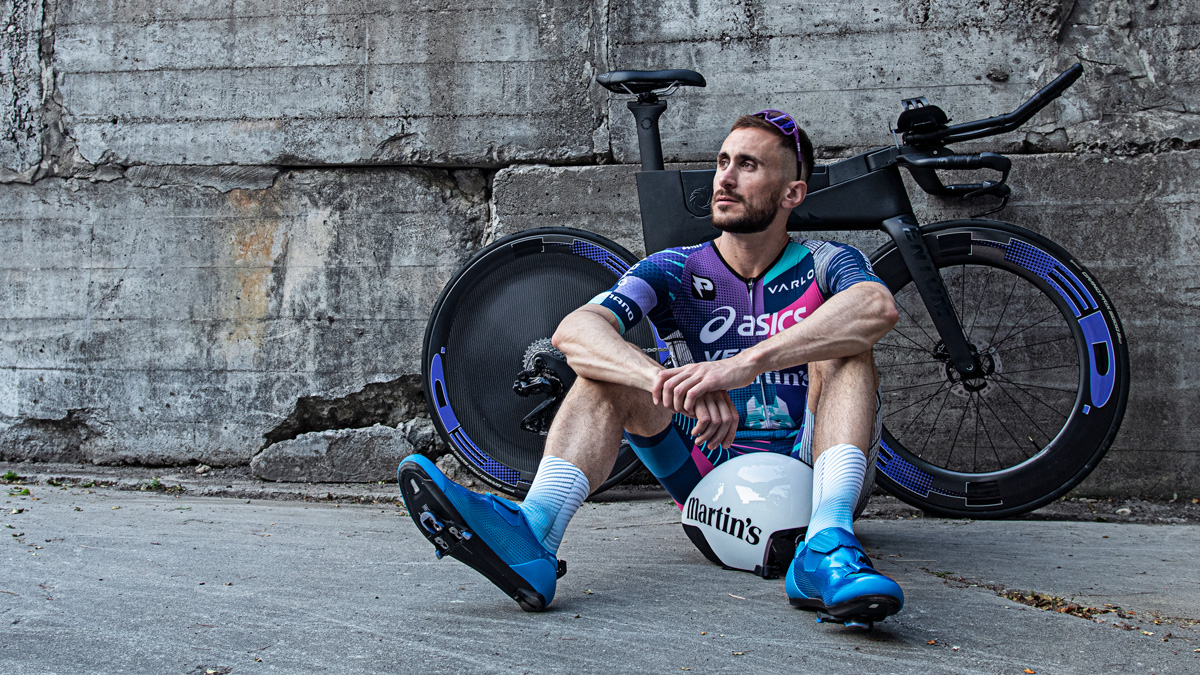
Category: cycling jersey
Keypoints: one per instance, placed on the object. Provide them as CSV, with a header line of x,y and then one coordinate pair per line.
x,y
705,311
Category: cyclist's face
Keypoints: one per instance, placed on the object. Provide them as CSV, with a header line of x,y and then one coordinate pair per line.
x,y
749,187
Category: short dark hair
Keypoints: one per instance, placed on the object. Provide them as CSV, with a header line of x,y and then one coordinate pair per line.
x,y
804,164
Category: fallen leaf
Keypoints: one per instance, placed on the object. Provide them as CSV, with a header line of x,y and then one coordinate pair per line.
x,y
931,642
1030,671
588,592
704,632
114,508
576,616
15,511
739,653
1146,632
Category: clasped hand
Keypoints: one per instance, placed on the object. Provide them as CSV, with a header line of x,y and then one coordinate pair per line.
x,y
701,390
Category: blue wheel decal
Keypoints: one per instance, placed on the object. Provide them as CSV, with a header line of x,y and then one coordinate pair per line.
x,y
1095,331
458,434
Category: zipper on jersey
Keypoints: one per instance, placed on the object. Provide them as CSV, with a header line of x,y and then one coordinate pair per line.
x,y
762,387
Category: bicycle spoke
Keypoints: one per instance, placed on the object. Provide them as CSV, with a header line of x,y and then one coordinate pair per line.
x,y
975,436
895,346
912,363
1041,386
1038,370
933,427
958,429
962,288
1046,342
913,386
915,323
979,303
1026,414
1002,426
986,433
1039,400
916,402
1013,335
1003,310
918,415
1029,305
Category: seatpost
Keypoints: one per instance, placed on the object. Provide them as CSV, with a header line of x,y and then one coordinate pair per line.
x,y
646,110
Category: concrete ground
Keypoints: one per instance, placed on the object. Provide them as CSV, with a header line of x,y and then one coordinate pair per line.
x,y
103,580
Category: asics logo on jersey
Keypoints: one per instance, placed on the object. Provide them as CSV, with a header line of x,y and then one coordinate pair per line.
x,y
716,328
763,324
703,288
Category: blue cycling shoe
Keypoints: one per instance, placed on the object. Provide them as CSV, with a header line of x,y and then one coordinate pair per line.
x,y
832,574
487,533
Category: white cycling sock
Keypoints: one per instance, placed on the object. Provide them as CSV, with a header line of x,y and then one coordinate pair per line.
x,y
555,495
837,479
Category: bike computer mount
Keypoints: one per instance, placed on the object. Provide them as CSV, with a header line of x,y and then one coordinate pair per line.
x,y
920,116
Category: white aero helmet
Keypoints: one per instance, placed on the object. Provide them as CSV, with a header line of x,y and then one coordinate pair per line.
x,y
748,512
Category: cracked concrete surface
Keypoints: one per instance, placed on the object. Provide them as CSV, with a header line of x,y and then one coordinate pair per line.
x,y
214,216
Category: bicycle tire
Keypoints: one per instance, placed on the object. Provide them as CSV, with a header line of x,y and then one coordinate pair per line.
x,y
507,296
1054,393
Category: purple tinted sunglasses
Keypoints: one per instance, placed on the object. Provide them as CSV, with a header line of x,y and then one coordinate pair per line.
x,y
784,122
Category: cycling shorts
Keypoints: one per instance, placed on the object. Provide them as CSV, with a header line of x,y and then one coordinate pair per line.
x,y
678,462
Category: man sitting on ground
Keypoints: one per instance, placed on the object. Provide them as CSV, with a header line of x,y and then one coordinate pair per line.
x,y
772,339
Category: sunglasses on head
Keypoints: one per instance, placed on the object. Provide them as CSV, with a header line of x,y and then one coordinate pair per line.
x,y
784,122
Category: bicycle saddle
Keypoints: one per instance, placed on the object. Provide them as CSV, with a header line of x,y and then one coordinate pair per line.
x,y
644,81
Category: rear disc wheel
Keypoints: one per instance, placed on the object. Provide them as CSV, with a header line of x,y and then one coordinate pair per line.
x,y
493,319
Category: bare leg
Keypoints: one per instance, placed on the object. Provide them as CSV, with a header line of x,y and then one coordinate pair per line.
x,y
587,429
841,396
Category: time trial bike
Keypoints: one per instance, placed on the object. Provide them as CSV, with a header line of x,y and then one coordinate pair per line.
x,y
1003,384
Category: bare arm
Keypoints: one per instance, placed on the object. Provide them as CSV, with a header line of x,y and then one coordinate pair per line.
x,y
590,339
849,323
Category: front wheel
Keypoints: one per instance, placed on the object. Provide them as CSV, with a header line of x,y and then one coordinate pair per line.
x,y
1054,382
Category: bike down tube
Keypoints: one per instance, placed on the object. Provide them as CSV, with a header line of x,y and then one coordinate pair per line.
x,y
906,234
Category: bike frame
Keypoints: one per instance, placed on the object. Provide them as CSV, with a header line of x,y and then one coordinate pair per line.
x,y
864,192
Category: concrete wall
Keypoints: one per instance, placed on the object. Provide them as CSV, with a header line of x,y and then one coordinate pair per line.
x,y
224,224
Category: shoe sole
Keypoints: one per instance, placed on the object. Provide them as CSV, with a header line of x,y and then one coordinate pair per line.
x,y
861,611
445,528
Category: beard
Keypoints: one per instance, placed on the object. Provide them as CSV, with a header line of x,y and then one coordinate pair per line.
x,y
757,216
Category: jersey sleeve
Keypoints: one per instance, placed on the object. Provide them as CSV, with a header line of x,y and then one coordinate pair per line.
x,y
840,266
644,289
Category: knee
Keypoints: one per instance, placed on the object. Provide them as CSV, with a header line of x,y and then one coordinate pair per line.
x,y
631,407
595,393
856,367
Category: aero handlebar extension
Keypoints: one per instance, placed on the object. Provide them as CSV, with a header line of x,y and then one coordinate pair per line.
x,y
1001,123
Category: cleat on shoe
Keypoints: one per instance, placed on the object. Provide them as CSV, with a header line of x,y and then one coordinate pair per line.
x,y
486,533
832,574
